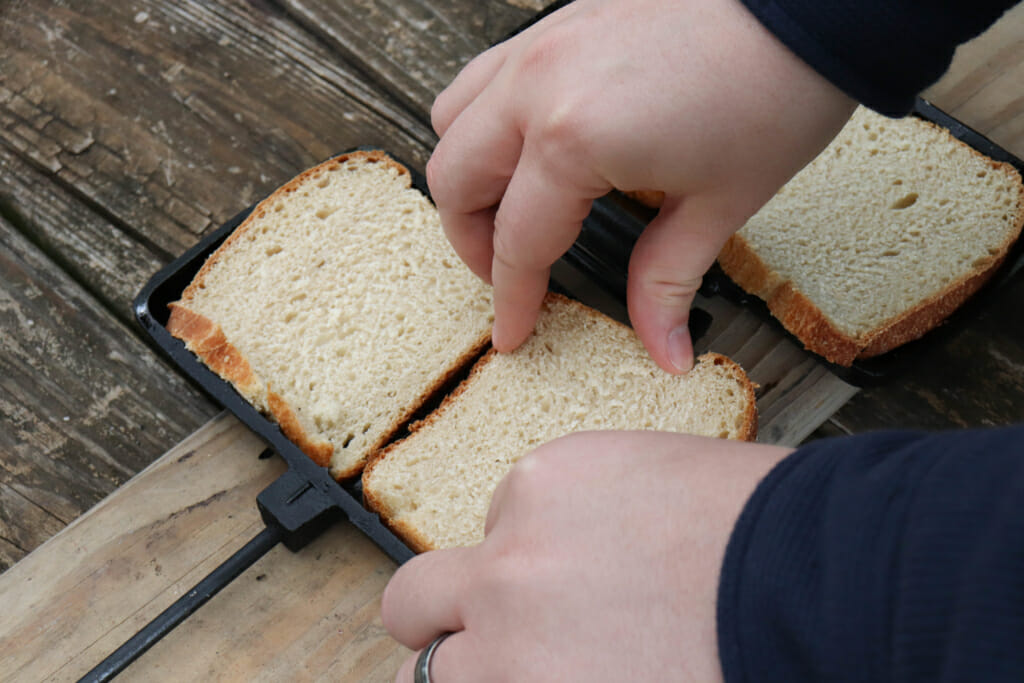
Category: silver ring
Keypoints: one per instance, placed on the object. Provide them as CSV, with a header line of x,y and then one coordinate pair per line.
x,y
422,671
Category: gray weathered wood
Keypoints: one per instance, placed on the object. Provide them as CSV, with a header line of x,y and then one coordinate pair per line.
x,y
170,117
984,84
311,615
411,48
84,403
110,263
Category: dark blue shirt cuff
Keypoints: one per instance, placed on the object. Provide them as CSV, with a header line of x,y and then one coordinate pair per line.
x,y
887,557
883,54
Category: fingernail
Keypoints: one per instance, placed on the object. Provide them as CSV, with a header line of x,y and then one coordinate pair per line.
x,y
680,348
499,338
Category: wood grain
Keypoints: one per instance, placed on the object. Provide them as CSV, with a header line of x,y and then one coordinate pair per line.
x,y
170,117
84,403
411,48
109,263
311,615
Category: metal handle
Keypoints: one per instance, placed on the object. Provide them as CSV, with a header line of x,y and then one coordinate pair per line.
x,y
184,606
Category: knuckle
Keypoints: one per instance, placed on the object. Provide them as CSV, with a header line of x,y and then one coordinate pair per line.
x,y
565,130
541,468
436,175
439,111
507,243
664,286
565,121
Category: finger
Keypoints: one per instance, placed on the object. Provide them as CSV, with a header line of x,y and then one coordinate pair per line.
x,y
665,270
422,600
455,660
471,235
538,219
468,173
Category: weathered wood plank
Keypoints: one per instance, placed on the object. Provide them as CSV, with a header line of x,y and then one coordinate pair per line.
x,y
170,117
9,553
23,522
313,615
84,403
111,264
411,48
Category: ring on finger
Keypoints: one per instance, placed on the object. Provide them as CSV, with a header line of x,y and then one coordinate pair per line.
x,y
422,670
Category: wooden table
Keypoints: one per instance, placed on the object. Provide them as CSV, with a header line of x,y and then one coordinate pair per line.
x,y
128,130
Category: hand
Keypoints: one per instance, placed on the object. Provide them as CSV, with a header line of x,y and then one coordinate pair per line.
x,y
600,563
695,99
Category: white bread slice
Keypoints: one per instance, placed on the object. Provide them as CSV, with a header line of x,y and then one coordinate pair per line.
x,y
579,371
880,238
337,308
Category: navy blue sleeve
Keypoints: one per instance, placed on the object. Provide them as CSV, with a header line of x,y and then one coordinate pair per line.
x,y
881,53
887,557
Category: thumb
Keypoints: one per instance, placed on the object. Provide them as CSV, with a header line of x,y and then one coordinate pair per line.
x,y
665,271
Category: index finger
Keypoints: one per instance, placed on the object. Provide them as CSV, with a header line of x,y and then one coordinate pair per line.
x,y
538,219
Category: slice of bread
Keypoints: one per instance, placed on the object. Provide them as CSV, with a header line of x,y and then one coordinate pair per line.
x,y
880,238
337,308
580,370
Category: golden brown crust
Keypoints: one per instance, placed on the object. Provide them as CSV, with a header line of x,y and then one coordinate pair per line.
x,y
928,315
206,339
748,430
794,310
319,452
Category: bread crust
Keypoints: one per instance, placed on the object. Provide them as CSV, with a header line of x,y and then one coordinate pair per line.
x,y
748,429
792,308
207,340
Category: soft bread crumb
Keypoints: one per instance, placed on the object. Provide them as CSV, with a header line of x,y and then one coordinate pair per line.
x,y
344,298
880,237
579,371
